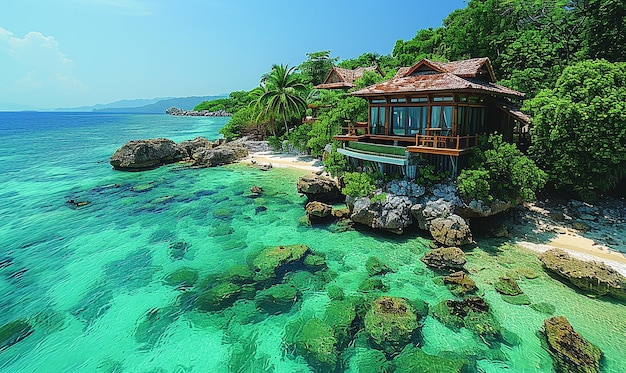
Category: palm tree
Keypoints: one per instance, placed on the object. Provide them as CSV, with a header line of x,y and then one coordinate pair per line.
x,y
281,97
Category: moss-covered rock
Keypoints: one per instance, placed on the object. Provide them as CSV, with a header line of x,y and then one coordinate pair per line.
x,y
274,261
373,284
570,352
277,299
375,266
335,292
390,324
460,283
13,332
368,360
414,360
507,286
304,280
218,297
445,258
316,342
542,307
182,278
472,313
340,315
315,261
238,274
518,300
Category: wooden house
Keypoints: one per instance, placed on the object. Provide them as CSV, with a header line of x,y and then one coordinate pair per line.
x,y
433,112
339,78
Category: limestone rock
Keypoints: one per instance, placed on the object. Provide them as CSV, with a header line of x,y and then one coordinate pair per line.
x,y
393,214
460,283
390,323
427,211
317,344
446,258
569,350
317,209
224,154
479,209
140,155
451,231
191,146
319,188
593,277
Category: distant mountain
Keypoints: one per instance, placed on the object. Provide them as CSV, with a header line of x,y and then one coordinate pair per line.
x,y
9,106
159,107
117,104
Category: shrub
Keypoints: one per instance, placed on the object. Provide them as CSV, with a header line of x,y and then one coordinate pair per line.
x,y
474,184
358,184
335,163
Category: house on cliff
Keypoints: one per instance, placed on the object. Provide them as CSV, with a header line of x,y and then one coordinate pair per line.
x,y
433,112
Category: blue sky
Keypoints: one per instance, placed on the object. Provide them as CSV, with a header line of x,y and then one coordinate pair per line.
x,y
68,53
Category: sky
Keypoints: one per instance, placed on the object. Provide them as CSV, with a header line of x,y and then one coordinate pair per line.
x,y
70,53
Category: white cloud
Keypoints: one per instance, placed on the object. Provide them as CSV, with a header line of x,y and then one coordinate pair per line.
x,y
36,68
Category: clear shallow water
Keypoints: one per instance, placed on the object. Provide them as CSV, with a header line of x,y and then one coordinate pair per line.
x,y
87,279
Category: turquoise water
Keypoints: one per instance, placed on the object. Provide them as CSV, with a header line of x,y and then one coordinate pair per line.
x,y
90,280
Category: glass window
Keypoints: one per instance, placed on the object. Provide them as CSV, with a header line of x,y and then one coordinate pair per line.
x,y
419,99
396,100
377,115
379,101
398,120
417,120
441,99
476,120
441,117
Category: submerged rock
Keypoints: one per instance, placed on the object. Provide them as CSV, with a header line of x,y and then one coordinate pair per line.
x,y
13,332
277,299
375,266
319,188
460,283
451,231
390,324
317,210
472,313
182,278
316,342
274,261
569,350
219,297
445,258
507,286
413,359
140,155
594,277
340,315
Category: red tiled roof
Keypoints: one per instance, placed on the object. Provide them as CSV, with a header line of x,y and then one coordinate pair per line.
x,y
346,76
428,76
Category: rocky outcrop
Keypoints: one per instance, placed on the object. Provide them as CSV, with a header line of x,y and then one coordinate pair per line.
x,y
193,113
391,214
429,210
569,350
140,155
319,188
225,154
459,283
191,146
480,209
390,324
445,258
451,231
593,277
318,210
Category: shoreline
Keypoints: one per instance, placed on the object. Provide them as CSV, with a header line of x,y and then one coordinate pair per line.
x,y
279,160
526,230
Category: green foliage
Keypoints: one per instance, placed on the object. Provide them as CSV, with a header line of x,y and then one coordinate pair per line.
x,y
499,170
335,163
368,78
358,184
236,101
379,198
580,128
317,66
428,175
241,122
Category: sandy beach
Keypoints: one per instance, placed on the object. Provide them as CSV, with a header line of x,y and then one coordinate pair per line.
x,y
305,163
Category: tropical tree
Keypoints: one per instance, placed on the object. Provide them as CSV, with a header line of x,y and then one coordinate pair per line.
x,y
280,95
317,66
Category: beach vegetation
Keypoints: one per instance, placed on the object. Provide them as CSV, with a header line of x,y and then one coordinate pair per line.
x,y
498,170
579,128
358,184
335,163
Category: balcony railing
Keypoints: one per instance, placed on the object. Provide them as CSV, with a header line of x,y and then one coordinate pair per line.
x,y
446,142
355,128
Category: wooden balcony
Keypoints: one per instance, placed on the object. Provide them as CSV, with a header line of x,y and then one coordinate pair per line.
x,y
444,145
353,131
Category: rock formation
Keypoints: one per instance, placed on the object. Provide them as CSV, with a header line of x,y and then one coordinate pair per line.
x,y
140,155
193,113
569,350
392,214
318,210
593,277
319,188
446,258
451,231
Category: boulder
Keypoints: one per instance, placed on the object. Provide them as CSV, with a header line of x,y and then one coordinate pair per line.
x,y
218,297
451,231
569,350
479,209
140,155
427,211
277,299
340,315
593,277
191,146
390,324
392,214
445,258
472,313
319,188
317,344
318,210
274,261
224,154
460,283
413,359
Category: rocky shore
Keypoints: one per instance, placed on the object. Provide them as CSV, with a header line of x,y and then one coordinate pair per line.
x,y
192,113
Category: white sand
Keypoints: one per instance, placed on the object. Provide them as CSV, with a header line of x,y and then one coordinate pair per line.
x,y
305,163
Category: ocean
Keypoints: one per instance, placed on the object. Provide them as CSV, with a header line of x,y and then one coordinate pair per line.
x,y
91,284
